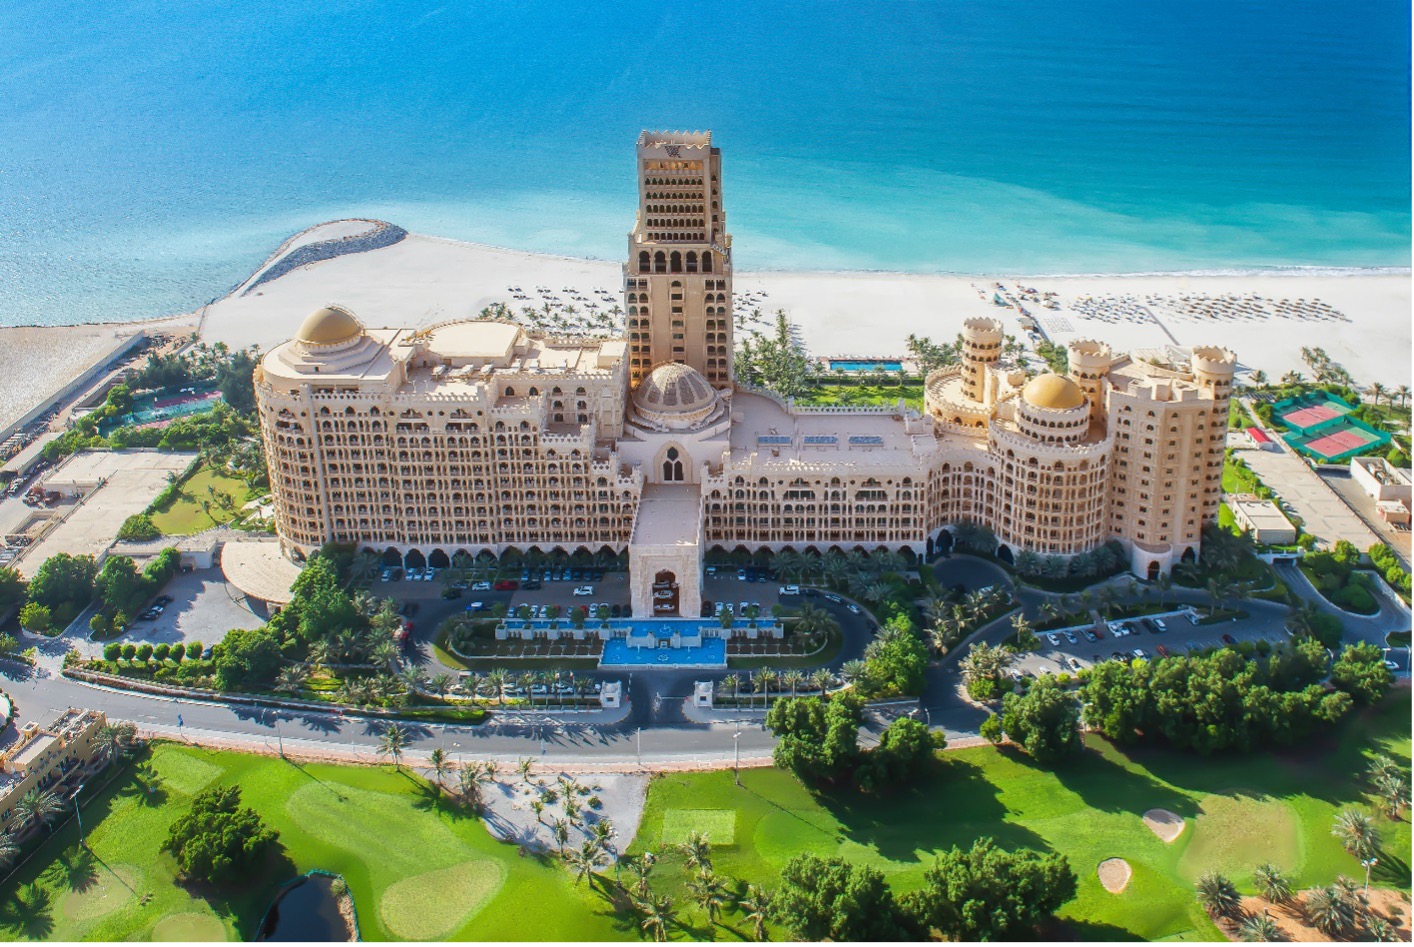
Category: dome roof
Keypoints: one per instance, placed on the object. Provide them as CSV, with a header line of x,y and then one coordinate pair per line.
x,y
674,388
329,326
1053,391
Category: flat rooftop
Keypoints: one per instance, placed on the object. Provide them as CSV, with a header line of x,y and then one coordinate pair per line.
x,y
259,570
668,515
779,438
118,484
1263,514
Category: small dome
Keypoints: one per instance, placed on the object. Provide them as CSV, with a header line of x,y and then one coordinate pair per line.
x,y
1052,391
674,388
329,326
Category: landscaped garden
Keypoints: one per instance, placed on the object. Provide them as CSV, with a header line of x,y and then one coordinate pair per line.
x,y
420,866
209,497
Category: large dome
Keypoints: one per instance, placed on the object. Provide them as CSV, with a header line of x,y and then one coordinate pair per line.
x,y
674,388
329,326
676,397
1054,392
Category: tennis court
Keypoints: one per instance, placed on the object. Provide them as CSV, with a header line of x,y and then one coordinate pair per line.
x,y
1339,440
1310,410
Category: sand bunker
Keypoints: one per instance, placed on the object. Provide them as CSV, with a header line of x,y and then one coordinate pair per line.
x,y
1165,824
1114,874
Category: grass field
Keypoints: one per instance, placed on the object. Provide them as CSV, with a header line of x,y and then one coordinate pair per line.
x,y
199,503
848,394
420,869
1241,810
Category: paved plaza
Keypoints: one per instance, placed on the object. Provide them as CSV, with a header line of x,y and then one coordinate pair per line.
x,y
1325,513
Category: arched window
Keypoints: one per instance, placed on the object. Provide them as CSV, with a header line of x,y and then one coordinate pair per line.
x,y
660,262
706,261
676,262
643,261
672,466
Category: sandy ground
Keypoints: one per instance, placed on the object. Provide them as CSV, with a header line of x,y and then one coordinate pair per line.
x,y
1114,874
1393,905
423,280
1165,824
509,816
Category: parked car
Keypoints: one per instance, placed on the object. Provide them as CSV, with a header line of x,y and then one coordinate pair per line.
x,y
584,590
506,585
789,590
387,574
1228,639
414,575
853,607
1139,653
1159,624
1090,635
1054,640
1162,650
481,586
1070,636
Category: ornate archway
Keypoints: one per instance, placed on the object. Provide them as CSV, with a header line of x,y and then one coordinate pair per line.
x,y
665,594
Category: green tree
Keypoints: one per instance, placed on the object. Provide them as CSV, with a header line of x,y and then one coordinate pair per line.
x,y
38,807
12,588
1272,883
1259,929
118,584
144,652
986,893
63,584
245,659
1045,720
903,753
392,743
755,908
194,650
817,738
129,652
112,651
895,661
709,893
828,898
35,617
218,840
1357,833
1360,671
1218,895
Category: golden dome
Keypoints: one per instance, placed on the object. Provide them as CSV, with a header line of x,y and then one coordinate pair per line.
x,y
1052,391
674,388
329,326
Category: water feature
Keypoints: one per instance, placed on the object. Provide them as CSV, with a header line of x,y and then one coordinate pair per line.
x,y
865,365
648,651
307,910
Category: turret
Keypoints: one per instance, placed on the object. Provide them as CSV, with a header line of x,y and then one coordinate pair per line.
x,y
1089,363
981,346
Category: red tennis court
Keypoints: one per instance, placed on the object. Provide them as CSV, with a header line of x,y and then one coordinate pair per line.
x,y
1307,417
1341,441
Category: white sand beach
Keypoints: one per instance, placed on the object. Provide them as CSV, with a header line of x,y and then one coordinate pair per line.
x,y
1364,323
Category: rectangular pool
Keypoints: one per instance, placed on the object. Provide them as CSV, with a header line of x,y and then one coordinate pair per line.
x,y
865,365
619,652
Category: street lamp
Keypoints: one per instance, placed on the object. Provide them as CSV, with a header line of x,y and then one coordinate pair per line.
x,y
1369,863
736,760
78,814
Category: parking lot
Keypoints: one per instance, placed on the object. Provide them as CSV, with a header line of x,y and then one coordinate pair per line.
x,y
204,607
1178,635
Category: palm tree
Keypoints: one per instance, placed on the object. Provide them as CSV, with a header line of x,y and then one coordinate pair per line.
x,y
766,680
1357,833
470,777
523,766
709,892
1260,929
439,764
38,806
793,678
641,867
497,678
1381,930
441,683
1218,895
392,742
561,829
821,679
696,851
290,680
853,670
1272,883
1402,392
8,849
414,678
115,739
658,913
754,909
584,860
537,806
1377,391
1328,911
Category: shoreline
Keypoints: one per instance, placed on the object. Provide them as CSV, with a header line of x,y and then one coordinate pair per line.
x,y
1275,271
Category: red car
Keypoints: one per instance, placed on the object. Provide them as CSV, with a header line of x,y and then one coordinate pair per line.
x,y
506,585
1163,651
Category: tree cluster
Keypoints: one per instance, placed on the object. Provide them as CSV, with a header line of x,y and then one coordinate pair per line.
x,y
1104,560
894,662
1225,701
1387,564
931,355
776,362
218,840
1044,720
818,740
121,589
62,587
1336,575
979,894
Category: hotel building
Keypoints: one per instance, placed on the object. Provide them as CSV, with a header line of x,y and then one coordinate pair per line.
x,y
484,436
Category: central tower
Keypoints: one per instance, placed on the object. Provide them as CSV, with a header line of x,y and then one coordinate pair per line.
x,y
678,277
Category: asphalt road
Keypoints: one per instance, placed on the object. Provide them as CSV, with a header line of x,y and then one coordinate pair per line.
x,y
653,729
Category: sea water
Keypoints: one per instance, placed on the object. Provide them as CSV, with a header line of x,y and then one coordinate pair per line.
x,y
152,153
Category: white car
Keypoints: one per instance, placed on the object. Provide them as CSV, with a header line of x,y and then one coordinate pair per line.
x,y
854,608
584,590
1159,624
662,596
429,574
789,590
1054,640
481,586
1139,653
414,575
741,609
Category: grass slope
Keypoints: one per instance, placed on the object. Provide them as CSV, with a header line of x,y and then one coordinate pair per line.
x,y
185,514
1242,810
418,868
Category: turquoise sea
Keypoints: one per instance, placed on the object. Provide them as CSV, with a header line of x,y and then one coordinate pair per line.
x,y
152,152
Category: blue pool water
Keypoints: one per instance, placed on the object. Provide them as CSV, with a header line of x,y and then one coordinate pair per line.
x,y
621,652
139,178
850,365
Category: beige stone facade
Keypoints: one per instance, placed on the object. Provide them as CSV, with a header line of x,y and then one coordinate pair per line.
x,y
477,436
46,757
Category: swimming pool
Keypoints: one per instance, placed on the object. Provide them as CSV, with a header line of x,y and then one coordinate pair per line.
x,y
862,365
628,652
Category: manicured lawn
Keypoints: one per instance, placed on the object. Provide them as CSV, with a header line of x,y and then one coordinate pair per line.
x,y
1241,810
187,514
416,868
886,395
